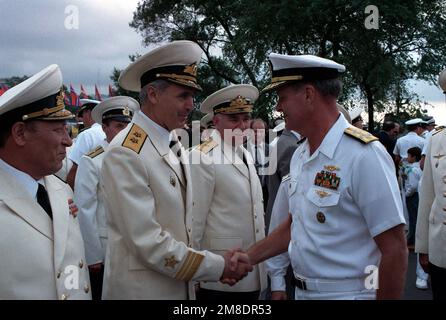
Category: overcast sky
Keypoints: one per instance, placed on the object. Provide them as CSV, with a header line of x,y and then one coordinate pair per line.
x,y
33,35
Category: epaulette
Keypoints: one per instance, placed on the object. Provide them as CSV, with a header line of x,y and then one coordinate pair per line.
x,y
95,152
207,146
438,129
287,177
360,135
135,138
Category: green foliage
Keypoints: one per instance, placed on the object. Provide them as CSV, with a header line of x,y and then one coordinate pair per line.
x,y
237,35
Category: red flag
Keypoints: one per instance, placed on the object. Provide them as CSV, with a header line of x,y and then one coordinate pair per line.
x,y
74,99
3,88
97,95
83,94
110,91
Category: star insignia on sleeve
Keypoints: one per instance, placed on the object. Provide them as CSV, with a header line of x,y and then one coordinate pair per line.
x,y
171,262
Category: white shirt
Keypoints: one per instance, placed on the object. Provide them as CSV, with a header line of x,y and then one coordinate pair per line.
x,y
406,142
86,141
277,266
30,185
414,173
365,203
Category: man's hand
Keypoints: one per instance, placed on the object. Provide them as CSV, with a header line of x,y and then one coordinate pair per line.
x,y
278,295
424,261
237,266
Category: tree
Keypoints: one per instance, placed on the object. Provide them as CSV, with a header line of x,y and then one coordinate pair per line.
x,y
237,35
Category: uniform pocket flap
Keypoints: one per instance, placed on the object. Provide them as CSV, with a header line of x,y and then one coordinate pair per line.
x,y
322,197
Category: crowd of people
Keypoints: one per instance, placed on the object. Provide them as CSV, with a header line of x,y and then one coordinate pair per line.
x,y
127,212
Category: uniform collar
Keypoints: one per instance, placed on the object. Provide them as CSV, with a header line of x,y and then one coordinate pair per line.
x,y
24,179
163,133
333,137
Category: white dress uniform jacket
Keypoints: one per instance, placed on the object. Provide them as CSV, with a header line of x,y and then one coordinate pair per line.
x,y
341,197
149,253
228,210
40,258
431,222
89,199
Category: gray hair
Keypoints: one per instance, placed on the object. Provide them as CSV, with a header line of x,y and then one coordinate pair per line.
x,y
157,84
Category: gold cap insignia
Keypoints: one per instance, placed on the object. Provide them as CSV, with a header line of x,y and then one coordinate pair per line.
x,y
191,69
126,111
239,101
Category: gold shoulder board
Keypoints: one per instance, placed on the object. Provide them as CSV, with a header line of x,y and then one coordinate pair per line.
x,y
361,135
438,129
135,138
95,152
285,178
207,146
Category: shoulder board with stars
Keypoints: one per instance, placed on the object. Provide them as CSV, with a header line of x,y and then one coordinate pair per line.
x,y
135,138
207,146
360,135
95,152
285,178
438,129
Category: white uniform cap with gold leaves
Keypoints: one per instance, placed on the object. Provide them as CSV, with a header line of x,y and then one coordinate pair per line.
x,y
40,97
238,98
287,68
176,62
118,108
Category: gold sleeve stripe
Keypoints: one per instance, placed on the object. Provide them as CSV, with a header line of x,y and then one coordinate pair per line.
x,y
135,138
190,266
198,258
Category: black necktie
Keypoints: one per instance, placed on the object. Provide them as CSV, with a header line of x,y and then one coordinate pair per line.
x,y
43,200
175,146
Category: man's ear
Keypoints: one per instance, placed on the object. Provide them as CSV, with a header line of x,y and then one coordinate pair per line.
x,y
152,94
19,133
310,93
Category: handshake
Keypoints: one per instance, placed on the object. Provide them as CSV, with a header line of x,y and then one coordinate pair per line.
x,y
237,266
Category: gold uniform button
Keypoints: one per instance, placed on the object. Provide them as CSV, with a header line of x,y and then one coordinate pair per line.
x,y
87,288
81,264
63,297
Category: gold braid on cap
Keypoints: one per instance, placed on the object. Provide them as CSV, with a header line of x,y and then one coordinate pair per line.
x,y
238,105
47,111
